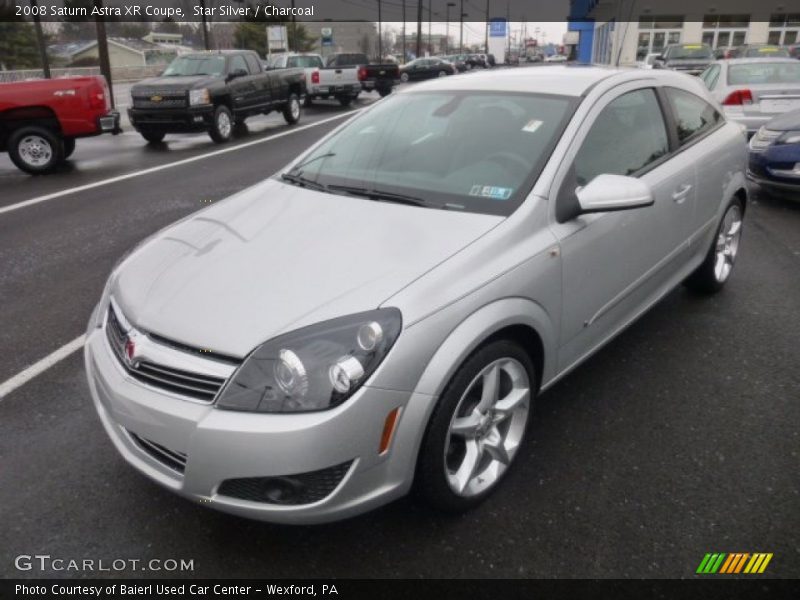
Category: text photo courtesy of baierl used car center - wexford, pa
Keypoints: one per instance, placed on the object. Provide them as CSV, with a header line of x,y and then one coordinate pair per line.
x,y
375,298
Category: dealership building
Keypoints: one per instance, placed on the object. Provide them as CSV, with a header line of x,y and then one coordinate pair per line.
x,y
624,31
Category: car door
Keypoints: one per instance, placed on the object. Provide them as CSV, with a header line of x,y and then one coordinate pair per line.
x,y
241,88
261,91
420,69
614,264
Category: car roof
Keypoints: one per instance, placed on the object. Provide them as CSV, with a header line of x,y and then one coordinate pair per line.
x,y
565,80
757,59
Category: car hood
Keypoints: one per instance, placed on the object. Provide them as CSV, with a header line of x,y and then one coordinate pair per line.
x,y
786,122
174,83
277,257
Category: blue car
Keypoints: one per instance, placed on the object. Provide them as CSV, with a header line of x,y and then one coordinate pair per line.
x,y
775,154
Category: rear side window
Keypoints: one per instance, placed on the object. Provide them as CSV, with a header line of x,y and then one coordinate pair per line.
x,y
237,62
693,115
764,72
252,63
710,76
627,136
304,62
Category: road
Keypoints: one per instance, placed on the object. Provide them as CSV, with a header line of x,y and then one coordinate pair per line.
x,y
679,438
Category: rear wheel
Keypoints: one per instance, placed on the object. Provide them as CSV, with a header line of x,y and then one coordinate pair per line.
x,y
153,137
477,428
35,150
345,100
384,91
222,127
404,77
291,112
69,147
715,270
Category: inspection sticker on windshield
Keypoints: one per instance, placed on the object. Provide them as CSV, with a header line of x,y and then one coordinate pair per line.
x,y
491,191
532,125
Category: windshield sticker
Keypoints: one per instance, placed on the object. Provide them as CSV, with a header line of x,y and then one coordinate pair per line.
x,y
491,191
692,46
532,125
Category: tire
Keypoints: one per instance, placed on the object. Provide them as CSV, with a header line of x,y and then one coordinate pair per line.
x,y
444,454
404,77
714,272
345,100
69,147
35,150
291,112
222,127
442,73
469,66
153,137
383,92
240,128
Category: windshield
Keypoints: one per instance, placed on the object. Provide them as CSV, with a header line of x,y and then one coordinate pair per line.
x,y
303,62
471,151
689,51
764,72
196,65
765,51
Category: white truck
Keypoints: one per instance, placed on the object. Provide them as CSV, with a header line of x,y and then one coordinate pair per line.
x,y
340,83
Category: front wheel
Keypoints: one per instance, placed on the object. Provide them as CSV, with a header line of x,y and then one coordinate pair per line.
x,y
153,137
291,112
222,127
442,73
404,77
35,150
477,428
69,147
715,270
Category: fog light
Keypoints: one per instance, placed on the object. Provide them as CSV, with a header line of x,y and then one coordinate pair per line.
x,y
290,373
345,373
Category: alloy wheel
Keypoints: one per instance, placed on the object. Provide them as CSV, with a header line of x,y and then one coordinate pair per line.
x,y
728,243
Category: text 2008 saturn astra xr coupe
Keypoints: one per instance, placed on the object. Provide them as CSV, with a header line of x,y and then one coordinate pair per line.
x,y
382,313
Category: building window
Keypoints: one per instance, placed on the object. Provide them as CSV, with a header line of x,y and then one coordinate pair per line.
x,y
604,43
725,31
784,29
656,32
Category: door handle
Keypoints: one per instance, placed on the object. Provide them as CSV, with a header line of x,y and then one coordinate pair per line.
x,y
680,194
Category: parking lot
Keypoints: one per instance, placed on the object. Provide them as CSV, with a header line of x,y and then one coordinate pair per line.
x,y
679,438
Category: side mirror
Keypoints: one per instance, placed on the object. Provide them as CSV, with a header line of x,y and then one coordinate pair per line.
x,y
236,73
607,193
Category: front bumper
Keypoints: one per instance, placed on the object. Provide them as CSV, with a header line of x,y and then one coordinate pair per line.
x,y
172,120
776,167
219,445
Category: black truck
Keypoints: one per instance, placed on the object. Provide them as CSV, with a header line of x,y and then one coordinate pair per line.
x,y
379,77
213,92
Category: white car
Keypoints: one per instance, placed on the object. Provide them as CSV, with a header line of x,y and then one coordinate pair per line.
x,y
555,58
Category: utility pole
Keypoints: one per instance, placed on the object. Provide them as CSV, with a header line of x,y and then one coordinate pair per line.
x,y
419,28
102,47
293,45
380,33
447,34
205,26
430,41
404,31
486,40
461,34
37,24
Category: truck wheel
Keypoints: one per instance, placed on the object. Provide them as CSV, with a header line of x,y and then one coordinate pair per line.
x,y
404,77
35,150
153,137
69,147
222,128
345,100
291,112
384,91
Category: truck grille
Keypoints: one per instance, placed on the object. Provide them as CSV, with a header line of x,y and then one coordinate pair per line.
x,y
185,383
170,458
159,99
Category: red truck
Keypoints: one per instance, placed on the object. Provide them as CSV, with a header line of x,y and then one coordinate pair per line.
x,y
41,119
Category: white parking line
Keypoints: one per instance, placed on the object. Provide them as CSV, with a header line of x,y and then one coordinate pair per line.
x,y
35,369
177,163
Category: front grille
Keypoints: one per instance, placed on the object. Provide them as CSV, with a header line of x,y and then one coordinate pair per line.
x,y
185,383
303,488
170,458
166,99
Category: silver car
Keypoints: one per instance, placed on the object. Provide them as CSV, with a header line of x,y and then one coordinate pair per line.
x,y
754,90
383,312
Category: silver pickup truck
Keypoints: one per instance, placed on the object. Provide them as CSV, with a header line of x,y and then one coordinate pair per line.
x,y
340,83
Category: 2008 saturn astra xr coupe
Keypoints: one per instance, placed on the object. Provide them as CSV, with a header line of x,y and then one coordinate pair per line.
x,y
382,313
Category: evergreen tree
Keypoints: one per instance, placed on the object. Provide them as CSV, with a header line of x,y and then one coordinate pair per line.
x,y
18,49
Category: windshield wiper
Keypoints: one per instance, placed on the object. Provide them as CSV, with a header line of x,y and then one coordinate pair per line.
x,y
298,179
379,195
296,168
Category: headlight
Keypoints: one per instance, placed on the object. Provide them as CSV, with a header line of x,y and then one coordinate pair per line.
x,y
199,97
314,368
790,137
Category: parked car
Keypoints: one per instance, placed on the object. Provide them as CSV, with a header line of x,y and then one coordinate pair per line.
x,y
648,60
321,83
383,313
794,51
687,58
753,90
775,154
41,119
479,60
380,77
758,51
555,58
213,92
491,60
425,68
456,61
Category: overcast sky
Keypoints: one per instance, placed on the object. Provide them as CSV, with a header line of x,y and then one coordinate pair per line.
x,y
474,32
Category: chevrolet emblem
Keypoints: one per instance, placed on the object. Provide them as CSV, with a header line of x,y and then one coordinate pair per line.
x,y
155,98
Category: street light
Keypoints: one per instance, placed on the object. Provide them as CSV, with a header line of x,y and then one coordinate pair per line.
x,y
461,34
447,35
